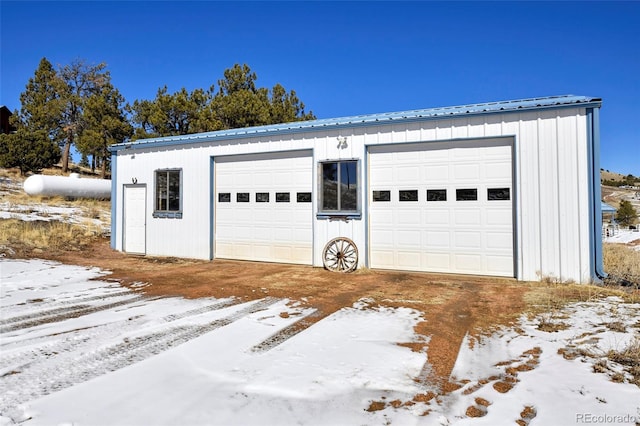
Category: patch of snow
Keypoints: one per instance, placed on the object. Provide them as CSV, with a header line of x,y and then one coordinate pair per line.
x,y
76,350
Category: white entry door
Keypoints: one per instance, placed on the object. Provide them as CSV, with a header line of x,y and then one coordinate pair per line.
x,y
263,209
442,207
135,219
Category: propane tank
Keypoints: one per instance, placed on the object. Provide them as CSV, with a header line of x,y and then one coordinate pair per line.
x,y
72,186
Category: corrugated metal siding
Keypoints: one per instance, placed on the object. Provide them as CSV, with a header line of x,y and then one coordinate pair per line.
x,y
551,181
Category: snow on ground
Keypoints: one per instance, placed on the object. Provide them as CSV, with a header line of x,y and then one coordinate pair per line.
x,y
624,236
79,349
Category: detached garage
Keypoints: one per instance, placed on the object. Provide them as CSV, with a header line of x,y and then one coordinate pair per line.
x,y
500,189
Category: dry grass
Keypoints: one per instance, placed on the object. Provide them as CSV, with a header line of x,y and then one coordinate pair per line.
x,y
629,357
34,237
623,262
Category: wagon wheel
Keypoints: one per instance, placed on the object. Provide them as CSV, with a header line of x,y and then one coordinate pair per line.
x,y
340,255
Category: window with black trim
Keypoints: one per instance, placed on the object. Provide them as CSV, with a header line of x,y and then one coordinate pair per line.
x,y
408,195
339,193
381,195
262,197
168,186
494,194
303,197
466,194
436,195
242,197
224,197
282,197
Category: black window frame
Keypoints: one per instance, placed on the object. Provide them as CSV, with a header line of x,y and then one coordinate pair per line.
x,y
224,197
283,197
433,195
262,197
460,195
166,193
408,195
381,196
242,197
497,194
304,197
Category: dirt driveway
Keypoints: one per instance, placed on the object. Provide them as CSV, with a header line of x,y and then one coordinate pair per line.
x,y
453,305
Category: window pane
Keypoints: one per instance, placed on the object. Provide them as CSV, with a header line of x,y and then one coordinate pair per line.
x,y
304,197
174,190
242,197
282,197
381,195
262,197
410,195
466,194
498,194
161,190
436,195
348,186
330,186
224,197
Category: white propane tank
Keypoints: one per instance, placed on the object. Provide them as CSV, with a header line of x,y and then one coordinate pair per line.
x,y
71,186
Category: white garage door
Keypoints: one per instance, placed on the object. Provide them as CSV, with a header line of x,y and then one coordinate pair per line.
x,y
442,207
135,219
263,208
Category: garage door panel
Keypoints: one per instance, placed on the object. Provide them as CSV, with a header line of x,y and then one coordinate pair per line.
x,y
455,235
466,172
410,238
467,239
437,174
438,239
274,231
437,261
436,216
468,262
409,260
497,242
467,216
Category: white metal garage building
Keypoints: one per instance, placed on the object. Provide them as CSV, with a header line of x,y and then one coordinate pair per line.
x,y
506,188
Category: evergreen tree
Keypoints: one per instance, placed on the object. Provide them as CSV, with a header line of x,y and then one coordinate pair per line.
x,y
238,103
626,213
105,124
41,104
80,82
180,113
31,151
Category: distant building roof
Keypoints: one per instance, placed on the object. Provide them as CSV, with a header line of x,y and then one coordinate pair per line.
x,y
606,208
373,119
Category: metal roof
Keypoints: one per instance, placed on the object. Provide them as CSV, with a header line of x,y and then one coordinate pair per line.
x,y
372,119
606,208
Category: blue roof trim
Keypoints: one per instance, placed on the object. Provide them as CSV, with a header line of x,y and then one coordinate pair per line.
x,y
606,208
370,119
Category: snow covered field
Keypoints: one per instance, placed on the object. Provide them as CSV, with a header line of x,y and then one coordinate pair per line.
x,y
624,236
79,349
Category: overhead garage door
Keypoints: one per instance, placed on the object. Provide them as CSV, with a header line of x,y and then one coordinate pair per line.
x,y
263,208
442,207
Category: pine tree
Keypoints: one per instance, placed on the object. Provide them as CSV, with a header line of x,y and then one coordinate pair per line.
x,y
626,213
105,124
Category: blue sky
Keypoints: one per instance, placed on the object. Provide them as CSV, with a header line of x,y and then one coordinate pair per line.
x,y
349,58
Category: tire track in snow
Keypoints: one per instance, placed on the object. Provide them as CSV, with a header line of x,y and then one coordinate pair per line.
x,y
14,361
68,369
288,332
77,304
65,314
